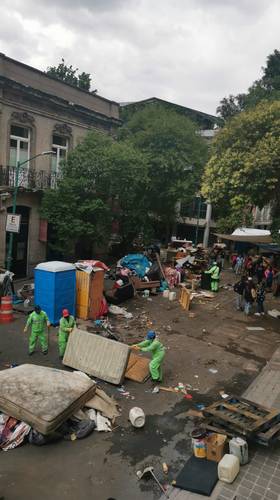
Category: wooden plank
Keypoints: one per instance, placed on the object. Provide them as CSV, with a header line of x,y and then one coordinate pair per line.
x,y
137,368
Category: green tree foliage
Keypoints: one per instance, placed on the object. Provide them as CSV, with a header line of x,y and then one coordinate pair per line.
x,y
69,75
267,88
102,180
244,168
175,156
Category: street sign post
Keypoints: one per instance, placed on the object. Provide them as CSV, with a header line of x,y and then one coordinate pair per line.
x,y
13,223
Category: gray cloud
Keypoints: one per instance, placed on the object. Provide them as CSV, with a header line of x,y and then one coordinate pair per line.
x,y
193,52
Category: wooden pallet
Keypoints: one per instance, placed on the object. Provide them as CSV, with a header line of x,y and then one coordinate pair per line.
x,y
240,414
265,438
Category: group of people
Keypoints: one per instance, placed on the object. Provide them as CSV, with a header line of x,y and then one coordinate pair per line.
x,y
39,324
249,292
256,268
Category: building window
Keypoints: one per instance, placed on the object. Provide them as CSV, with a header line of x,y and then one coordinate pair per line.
x,y
19,145
60,148
19,152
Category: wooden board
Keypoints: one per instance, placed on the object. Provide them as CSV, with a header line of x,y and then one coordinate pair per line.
x,y
96,294
185,299
144,285
137,368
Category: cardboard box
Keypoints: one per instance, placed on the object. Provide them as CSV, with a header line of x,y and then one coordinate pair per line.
x,y
215,447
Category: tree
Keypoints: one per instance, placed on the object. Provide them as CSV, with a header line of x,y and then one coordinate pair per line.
x,y
244,168
102,180
267,88
69,75
175,155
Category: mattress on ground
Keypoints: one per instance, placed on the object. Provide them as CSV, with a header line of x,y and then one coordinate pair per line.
x,y
103,358
198,476
41,396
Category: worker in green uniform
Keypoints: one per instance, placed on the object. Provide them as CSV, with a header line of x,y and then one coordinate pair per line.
x,y
153,345
38,321
66,325
214,272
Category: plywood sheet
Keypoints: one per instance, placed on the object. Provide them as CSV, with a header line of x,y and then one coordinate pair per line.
x,y
41,396
103,358
137,368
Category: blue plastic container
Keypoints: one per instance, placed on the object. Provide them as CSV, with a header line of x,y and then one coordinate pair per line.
x,y
55,288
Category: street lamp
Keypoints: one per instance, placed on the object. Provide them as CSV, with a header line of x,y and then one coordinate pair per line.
x,y
11,236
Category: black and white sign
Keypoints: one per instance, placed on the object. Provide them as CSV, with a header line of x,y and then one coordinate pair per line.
x,y
13,223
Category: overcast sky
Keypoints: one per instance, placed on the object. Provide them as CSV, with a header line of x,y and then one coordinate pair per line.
x,y
192,52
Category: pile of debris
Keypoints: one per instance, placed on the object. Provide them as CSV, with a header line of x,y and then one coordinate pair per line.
x,y
42,405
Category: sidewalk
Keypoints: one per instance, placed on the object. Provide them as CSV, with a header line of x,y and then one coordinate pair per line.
x,y
260,479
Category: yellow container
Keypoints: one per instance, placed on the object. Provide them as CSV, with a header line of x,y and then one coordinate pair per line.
x,y
82,294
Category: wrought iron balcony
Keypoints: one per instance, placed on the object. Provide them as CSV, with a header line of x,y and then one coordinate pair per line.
x,y
29,178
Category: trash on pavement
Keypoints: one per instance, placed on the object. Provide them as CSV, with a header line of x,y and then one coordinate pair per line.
x,y
150,471
274,313
103,424
213,370
137,417
215,446
104,404
12,432
228,468
120,311
239,447
165,468
155,390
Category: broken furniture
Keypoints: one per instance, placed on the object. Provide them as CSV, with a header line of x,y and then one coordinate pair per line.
x,y
89,288
98,356
55,288
238,416
144,285
43,397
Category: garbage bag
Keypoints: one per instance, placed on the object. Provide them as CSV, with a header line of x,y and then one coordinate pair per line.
x,y
39,439
80,429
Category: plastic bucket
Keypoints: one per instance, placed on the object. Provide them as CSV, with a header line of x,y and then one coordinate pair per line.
x,y
199,443
6,311
172,296
137,417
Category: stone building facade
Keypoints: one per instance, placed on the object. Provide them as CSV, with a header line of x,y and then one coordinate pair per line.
x,y
39,113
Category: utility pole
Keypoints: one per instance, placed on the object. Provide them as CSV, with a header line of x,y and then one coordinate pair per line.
x,y
207,225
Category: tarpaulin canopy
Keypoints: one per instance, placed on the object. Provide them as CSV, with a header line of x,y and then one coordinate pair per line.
x,y
248,239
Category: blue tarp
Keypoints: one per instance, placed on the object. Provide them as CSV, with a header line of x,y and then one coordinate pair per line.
x,y
136,262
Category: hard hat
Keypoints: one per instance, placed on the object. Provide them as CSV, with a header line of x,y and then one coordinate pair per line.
x,y
151,335
65,313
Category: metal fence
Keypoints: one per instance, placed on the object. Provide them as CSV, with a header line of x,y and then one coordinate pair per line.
x,y
29,178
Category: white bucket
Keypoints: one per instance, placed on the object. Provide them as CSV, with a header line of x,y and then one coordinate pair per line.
x,y
137,417
172,296
165,294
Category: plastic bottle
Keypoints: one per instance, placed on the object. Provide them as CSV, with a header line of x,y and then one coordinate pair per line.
x,y
239,447
228,468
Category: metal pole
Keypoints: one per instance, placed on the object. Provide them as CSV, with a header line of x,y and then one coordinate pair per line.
x,y
11,235
197,220
208,224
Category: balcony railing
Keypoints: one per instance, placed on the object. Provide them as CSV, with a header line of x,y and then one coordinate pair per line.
x,y
29,178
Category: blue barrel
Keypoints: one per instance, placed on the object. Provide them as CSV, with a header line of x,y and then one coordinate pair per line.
x,y
55,288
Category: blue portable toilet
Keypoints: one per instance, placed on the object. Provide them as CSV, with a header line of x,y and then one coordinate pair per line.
x,y
55,288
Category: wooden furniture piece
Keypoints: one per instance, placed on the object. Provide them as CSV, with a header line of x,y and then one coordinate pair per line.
x,y
89,293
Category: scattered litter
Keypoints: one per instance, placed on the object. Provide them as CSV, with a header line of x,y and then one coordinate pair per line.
x,y
120,311
165,468
223,395
195,413
255,328
200,406
103,424
188,396
274,313
196,376
155,390
137,417
213,370
104,404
